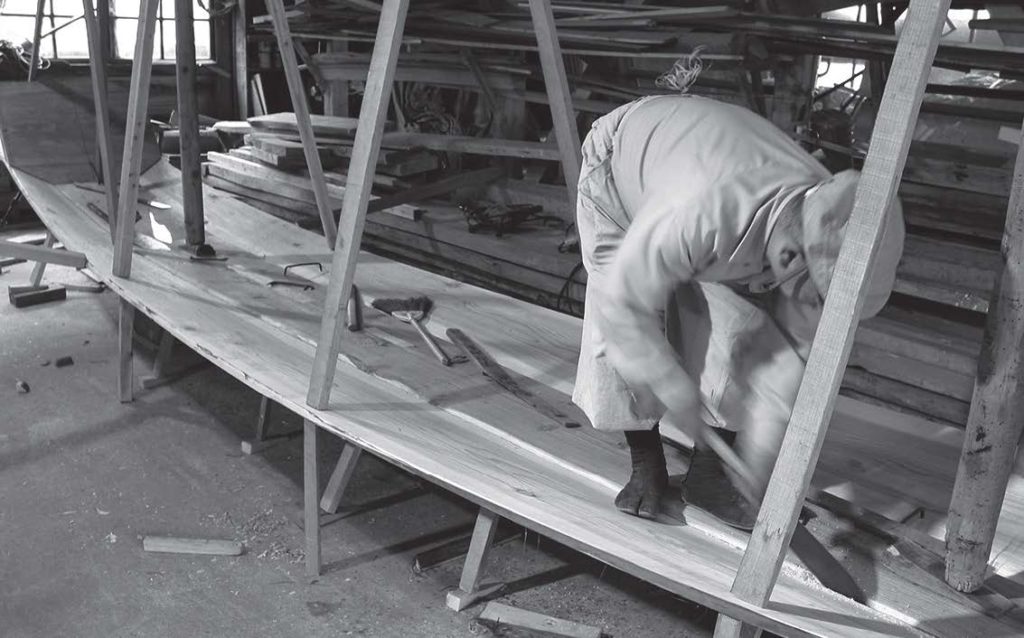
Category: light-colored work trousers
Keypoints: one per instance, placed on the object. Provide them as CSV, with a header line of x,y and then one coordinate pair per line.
x,y
745,351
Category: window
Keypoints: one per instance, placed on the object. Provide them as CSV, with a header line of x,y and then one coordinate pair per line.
x,y
17,20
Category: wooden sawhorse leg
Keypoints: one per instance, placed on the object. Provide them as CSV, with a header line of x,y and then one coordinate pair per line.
x,y
40,267
125,328
340,478
263,439
480,545
310,495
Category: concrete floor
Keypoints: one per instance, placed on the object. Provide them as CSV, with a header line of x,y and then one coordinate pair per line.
x,y
83,478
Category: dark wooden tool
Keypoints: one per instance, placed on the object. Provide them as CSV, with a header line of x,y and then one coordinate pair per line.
x,y
493,370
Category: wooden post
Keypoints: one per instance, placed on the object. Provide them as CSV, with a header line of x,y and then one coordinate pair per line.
x,y
240,29
103,21
37,34
125,328
188,124
286,47
480,545
362,166
340,478
336,92
830,352
562,114
104,141
996,418
311,492
134,138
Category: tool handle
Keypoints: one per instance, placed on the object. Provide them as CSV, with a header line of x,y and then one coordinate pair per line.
x,y
354,310
748,483
432,344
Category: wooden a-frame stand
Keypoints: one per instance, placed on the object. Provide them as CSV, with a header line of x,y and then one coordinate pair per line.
x,y
761,563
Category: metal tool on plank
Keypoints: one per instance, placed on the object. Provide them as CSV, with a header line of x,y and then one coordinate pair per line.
x,y
494,371
413,310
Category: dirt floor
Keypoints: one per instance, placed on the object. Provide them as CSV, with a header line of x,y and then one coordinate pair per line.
x,y
83,478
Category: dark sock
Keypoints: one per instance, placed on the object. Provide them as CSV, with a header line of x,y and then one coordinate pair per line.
x,y
641,495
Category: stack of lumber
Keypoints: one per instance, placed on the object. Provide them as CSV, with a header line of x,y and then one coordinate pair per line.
x,y
270,169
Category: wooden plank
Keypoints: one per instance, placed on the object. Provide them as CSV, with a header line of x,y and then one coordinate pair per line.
x,y
372,117
559,97
104,139
815,400
188,122
996,419
177,545
473,145
576,513
311,493
297,90
323,125
135,131
500,614
41,254
40,267
441,186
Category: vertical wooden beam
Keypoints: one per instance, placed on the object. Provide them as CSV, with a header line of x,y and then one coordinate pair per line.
x,y
104,141
311,493
134,138
240,26
365,150
340,478
830,352
105,30
37,34
336,93
188,123
557,85
996,419
286,47
480,545
125,328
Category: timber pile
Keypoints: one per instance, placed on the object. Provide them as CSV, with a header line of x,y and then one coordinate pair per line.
x,y
470,71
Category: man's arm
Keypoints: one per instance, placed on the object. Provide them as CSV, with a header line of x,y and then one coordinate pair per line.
x,y
661,250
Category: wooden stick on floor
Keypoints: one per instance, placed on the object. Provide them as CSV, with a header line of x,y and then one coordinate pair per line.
x,y
134,139
562,114
815,401
188,124
297,90
365,150
311,493
996,418
36,40
104,141
469,590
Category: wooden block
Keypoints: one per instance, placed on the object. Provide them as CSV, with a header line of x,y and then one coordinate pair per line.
x,y
500,614
174,545
25,296
457,599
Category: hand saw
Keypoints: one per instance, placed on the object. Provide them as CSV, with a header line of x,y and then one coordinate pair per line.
x,y
815,556
493,370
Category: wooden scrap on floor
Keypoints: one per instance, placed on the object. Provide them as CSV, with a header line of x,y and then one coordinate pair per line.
x,y
499,614
25,296
175,545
